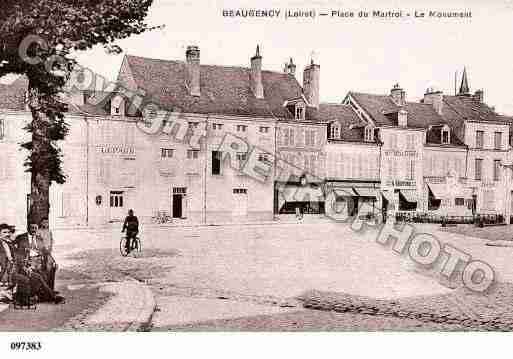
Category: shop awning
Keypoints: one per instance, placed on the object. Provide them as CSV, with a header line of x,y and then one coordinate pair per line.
x,y
388,195
366,192
301,194
439,190
465,193
409,194
345,192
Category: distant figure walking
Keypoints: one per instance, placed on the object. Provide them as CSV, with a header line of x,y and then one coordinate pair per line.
x,y
131,226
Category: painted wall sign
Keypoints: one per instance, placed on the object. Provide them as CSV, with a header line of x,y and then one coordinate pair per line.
x,y
401,153
116,149
400,183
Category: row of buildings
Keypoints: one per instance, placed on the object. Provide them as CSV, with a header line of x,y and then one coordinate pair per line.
x,y
443,155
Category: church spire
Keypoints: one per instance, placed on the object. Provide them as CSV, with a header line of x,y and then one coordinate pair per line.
x,y
464,88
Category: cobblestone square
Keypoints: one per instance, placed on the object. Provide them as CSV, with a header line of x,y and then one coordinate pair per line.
x,y
197,274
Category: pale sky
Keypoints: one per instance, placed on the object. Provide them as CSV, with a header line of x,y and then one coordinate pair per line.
x,y
366,55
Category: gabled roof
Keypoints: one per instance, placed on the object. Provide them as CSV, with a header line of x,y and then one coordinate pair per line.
x,y
224,90
351,126
376,106
468,108
381,108
12,97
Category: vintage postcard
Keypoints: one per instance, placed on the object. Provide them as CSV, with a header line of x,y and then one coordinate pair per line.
x,y
271,166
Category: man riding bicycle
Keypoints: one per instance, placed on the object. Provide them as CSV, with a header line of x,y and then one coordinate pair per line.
x,y
131,225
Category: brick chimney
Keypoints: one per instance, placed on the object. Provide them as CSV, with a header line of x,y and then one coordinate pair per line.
x,y
479,96
192,56
434,98
398,95
402,118
256,74
311,78
290,68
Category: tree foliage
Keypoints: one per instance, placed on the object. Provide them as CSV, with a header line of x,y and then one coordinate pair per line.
x,y
63,27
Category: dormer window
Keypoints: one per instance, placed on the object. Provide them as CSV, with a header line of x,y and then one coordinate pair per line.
x,y
369,134
445,135
335,130
117,105
300,111
402,118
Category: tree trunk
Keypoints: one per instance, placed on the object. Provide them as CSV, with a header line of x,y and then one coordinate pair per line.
x,y
40,174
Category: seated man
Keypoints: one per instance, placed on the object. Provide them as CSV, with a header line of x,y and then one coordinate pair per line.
x,y
35,263
45,238
6,251
24,274
131,225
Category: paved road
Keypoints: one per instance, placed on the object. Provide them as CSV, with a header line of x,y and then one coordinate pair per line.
x,y
197,272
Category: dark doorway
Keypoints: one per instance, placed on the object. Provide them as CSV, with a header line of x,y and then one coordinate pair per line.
x,y
177,205
384,208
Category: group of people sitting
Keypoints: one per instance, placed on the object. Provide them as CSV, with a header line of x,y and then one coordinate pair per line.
x,y
28,260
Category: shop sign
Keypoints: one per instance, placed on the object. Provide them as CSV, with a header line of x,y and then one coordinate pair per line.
x,y
400,183
433,179
116,149
488,184
398,153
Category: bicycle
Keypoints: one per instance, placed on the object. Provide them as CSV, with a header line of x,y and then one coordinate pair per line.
x,y
161,217
135,245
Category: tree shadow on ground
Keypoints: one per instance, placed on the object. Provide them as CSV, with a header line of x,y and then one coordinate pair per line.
x,y
107,264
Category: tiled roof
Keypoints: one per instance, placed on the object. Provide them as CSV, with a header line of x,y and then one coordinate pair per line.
x,y
381,108
509,120
376,106
345,116
224,90
467,108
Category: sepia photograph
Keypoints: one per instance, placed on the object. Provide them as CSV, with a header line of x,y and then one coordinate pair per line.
x,y
254,167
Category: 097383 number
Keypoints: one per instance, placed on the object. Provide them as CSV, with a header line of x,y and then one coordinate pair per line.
x,y
25,346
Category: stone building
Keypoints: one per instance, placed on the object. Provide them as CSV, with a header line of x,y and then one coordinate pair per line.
x,y
216,144
114,160
441,156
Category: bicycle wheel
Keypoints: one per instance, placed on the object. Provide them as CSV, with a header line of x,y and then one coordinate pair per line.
x,y
136,244
122,247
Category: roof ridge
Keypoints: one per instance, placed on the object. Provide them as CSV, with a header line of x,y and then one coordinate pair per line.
x,y
334,104
369,94
240,67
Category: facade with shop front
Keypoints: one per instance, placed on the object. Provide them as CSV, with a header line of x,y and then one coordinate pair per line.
x,y
230,173
267,147
445,156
